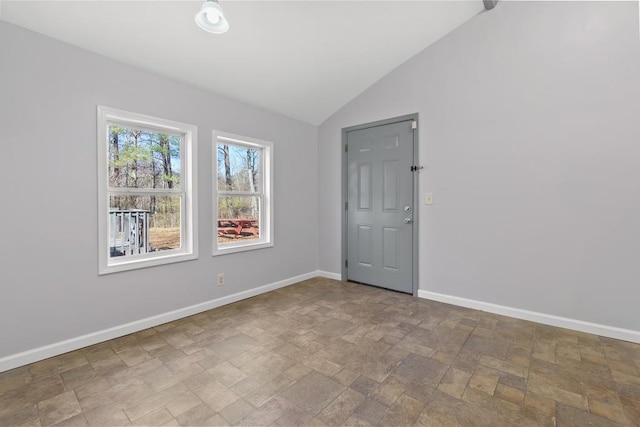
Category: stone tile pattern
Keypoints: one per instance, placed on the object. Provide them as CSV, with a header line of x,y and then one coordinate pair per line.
x,y
328,353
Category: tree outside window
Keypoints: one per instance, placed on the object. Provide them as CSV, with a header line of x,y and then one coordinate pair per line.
x,y
242,193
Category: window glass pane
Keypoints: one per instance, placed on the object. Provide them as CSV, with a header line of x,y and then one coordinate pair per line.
x,y
143,159
238,218
143,224
238,168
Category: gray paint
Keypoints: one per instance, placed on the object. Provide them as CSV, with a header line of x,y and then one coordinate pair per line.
x,y
344,192
529,138
48,256
380,184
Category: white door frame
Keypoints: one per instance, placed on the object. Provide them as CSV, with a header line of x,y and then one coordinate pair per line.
x,y
345,194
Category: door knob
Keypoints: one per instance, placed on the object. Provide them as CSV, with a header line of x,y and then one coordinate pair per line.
x,y
407,221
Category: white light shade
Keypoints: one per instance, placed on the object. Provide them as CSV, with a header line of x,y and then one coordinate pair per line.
x,y
211,19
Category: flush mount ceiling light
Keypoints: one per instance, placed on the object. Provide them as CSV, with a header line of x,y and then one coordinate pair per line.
x,y
211,19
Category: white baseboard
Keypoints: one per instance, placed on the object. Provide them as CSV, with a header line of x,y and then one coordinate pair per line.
x,y
329,275
547,319
55,349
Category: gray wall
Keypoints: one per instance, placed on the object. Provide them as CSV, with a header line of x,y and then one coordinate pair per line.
x,y
50,289
530,135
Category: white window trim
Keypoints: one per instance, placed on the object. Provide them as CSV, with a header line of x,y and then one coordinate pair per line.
x,y
266,210
189,226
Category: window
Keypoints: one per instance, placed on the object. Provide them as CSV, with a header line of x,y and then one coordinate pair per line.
x,y
243,206
146,185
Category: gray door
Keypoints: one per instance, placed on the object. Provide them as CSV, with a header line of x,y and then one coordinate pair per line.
x,y
380,207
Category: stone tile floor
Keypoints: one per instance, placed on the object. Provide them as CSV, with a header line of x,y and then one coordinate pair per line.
x,y
324,352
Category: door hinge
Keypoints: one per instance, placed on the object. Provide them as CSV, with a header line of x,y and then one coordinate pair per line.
x,y
346,263
416,168
346,148
414,124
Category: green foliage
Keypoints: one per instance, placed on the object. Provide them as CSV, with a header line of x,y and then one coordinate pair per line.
x,y
143,159
131,154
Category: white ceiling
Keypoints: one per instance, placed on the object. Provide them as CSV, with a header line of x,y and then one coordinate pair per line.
x,y
303,59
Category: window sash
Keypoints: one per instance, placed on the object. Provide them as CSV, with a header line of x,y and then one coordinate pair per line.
x,y
187,191
263,192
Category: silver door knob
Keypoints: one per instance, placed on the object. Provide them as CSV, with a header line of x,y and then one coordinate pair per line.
x,y
407,221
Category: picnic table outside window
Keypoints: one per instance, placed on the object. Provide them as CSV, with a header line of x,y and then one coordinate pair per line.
x,y
237,226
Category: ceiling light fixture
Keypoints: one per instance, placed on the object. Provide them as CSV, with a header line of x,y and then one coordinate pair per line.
x,y
211,19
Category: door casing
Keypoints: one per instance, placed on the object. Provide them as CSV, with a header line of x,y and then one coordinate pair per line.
x,y
345,194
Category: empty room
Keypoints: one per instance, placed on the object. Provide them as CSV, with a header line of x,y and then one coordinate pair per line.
x,y
320,213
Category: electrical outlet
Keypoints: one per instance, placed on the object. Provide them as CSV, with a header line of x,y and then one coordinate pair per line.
x,y
220,279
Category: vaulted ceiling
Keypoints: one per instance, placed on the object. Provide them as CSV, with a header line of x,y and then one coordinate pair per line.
x,y
303,59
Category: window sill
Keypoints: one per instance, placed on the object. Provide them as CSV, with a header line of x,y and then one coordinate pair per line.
x,y
232,248
138,263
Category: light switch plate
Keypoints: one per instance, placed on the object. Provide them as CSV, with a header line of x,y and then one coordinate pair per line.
x,y
428,198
